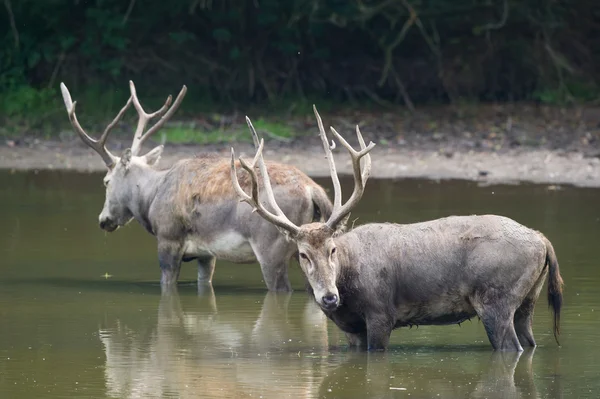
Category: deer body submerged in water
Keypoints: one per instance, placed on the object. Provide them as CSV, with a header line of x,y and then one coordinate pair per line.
x,y
192,208
381,276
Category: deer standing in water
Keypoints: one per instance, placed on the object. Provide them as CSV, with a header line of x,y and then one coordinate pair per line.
x,y
381,276
192,208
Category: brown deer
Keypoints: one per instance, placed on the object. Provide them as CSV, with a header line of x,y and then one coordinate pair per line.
x,y
192,208
381,276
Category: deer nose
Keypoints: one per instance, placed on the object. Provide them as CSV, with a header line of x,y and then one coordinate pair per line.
x,y
330,300
107,224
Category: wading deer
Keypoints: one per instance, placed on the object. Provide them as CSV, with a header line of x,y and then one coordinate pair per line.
x,y
192,208
381,276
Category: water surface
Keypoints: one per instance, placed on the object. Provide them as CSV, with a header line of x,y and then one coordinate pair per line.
x,y
82,315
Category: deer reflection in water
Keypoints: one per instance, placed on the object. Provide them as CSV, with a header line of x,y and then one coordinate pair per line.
x,y
198,350
386,375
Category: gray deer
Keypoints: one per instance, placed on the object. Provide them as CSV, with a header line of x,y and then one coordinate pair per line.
x,y
382,276
192,208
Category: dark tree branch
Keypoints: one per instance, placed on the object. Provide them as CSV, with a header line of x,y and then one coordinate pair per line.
x,y
13,25
128,12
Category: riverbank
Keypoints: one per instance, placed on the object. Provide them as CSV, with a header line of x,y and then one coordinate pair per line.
x,y
493,144
539,166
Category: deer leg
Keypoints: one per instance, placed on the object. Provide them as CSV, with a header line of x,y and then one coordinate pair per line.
x,y
276,277
498,323
522,322
379,329
274,258
357,340
206,268
169,259
524,314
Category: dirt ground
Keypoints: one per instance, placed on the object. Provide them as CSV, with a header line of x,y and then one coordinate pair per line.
x,y
493,144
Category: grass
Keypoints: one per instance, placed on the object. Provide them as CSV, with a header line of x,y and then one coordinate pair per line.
x,y
240,133
25,111
193,135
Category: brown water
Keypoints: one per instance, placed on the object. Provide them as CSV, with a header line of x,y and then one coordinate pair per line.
x,y
81,314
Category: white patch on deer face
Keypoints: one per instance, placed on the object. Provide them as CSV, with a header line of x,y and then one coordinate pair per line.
x,y
230,246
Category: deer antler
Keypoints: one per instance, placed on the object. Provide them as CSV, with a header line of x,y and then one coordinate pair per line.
x,y
340,211
139,137
278,218
97,145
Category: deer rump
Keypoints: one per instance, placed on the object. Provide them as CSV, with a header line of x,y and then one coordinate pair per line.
x,y
444,271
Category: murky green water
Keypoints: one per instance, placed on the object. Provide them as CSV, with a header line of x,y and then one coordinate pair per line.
x,y
81,314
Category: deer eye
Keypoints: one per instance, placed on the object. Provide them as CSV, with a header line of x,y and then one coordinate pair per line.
x,y
106,181
333,250
303,256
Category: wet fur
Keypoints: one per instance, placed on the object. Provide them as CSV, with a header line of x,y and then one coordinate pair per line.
x,y
441,272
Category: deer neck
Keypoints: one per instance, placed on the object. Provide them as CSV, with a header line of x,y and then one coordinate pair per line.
x,y
145,184
346,265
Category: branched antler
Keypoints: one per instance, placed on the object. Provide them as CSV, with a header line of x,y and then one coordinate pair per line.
x,y
278,218
139,137
340,211
97,145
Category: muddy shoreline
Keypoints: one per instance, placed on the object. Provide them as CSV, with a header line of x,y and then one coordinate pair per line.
x,y
488,143
536,165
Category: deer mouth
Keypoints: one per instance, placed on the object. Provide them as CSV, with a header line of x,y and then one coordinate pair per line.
x,y
108,225
329,307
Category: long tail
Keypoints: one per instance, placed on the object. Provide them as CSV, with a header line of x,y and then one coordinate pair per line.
x,y
555,286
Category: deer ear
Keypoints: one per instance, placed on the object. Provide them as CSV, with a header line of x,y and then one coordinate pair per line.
x,y
341,226
126,157
288,236
152,157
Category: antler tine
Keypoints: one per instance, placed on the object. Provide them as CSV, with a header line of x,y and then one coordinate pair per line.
x,y
96,145
104,136
360,177
164,112
167,115
279,219
253,131
236,183
337,189
263,170
366,171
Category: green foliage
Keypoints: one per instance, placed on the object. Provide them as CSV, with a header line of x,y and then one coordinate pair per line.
x,y
24,108
25,100
273,128
241,52
192,134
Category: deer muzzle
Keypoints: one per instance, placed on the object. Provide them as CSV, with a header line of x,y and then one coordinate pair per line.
x,y
107,224
330,301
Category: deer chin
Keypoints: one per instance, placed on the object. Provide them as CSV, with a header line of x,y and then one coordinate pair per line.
x,y
329,307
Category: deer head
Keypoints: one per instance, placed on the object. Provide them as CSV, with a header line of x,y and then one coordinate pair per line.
x,y
124,169
316,245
